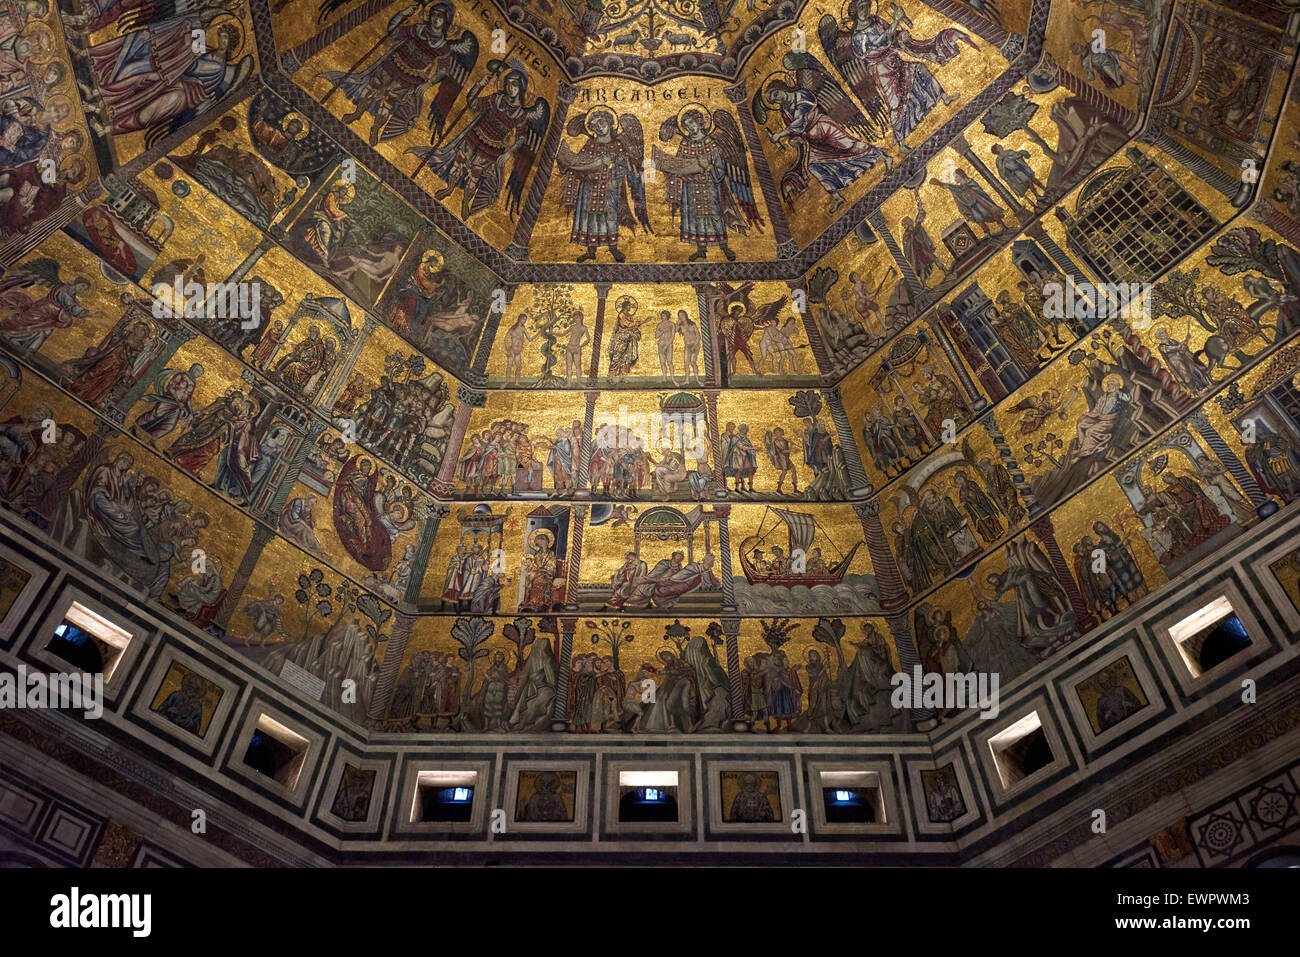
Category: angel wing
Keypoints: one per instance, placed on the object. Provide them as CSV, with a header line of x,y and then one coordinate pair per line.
x,y
668,129
987,8
838,45
906,499
537,122
577,124
327,8
726,133
149,13
43,271
724,295
812,76
1026,405
769,312
967,452
632,137
566,159
464,54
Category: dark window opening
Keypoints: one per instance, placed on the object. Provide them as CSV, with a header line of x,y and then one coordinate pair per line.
x,y
1038,754
648,806
1227,638
849,805
446,804
1024,756
1028,754
79,648
268,756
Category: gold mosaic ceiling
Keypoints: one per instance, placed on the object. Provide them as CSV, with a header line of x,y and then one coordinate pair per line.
x,y
702,345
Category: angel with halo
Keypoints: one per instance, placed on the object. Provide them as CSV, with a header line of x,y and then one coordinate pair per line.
x,y
507,128
708,182
830,133
868,53
600,177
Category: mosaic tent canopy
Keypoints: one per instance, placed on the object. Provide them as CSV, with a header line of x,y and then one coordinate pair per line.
x,y
647,367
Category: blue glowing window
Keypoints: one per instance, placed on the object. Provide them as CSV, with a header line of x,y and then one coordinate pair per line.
x,y
72,633
461,794
77,647
844,796
653,794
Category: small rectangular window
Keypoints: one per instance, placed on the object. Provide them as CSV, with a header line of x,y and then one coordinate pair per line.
x,y
1209,636
647,797
1021,750
88,641
444,797
851,797
276,751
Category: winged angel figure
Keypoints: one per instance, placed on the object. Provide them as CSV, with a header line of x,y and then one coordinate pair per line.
x,y
423,54
599,178
868,54
708,183
831,134
507,128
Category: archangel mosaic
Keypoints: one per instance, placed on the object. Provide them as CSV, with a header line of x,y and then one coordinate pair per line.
x,y
646,365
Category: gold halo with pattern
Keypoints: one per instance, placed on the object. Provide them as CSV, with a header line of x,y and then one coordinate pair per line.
x,y
696,108
626,303
302,120
785,77
613,120
214,27
84,178
59,100
544,535
35,29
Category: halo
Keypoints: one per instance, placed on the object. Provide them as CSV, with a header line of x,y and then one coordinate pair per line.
x,y
39,27
1106,381
233,53
85,165
586,120
785,76
295,115
708,118
543,533
64,67
847,7
625,300
434,256
60,99
349,190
